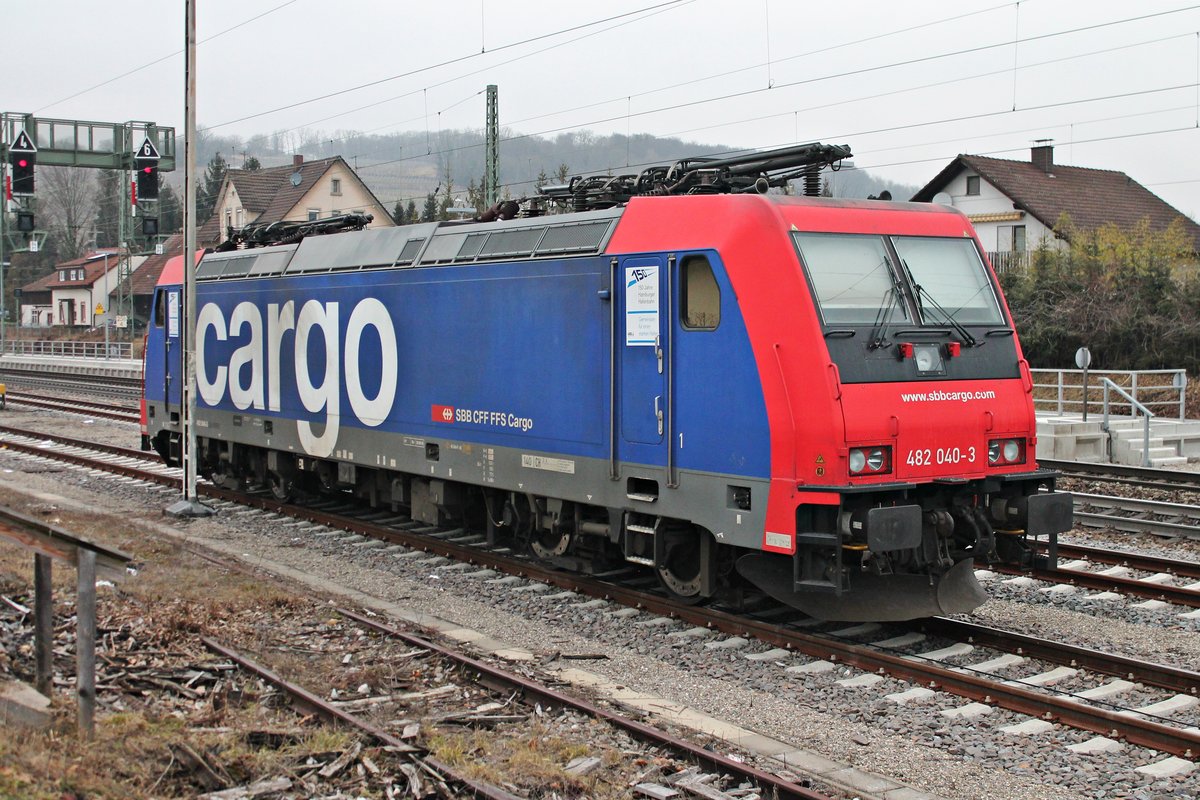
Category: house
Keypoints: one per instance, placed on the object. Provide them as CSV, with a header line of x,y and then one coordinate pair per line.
x,y
144,280
1014,205
78,293
305,190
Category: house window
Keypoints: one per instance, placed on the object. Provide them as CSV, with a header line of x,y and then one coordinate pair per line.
x,y
973,184
1010,238
228,219
241,218
314,214
335,186
62,276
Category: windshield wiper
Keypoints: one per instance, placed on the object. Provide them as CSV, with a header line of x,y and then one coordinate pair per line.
x,y
968,339
883,317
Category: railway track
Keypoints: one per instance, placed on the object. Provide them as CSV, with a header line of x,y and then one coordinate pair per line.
x,y
111,386
1134,515
1093,710
1124,474
121,413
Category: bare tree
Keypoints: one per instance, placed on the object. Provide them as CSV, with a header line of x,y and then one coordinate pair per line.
x,y
69,199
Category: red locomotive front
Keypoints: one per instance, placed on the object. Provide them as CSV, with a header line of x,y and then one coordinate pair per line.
x,y
905,340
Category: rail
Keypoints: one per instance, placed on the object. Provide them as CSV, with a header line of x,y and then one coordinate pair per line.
x,y
1147,415
1062,391
46,347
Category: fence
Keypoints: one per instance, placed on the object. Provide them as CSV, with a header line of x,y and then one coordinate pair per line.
x,y
1061,391
64,349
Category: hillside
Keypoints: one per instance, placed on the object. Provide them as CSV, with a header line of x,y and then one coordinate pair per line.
x,y
409,165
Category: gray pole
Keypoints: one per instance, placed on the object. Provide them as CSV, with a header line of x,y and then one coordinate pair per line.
x,y
85,642
43,623
189,506
189,263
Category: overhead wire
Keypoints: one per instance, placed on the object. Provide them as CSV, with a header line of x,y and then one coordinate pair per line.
x,y
447,62
147,65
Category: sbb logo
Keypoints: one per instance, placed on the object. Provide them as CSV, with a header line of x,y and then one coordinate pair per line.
x,y
443,413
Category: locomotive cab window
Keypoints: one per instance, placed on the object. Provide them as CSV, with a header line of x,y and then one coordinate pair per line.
x,y
851,277
700,301
160,309
950,282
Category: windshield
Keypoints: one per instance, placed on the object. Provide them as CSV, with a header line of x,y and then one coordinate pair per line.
x,y
851,277
952,276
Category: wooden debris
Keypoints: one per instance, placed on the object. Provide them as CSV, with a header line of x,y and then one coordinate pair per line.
x,y
655,791
341,762
583,765
208,772
256,789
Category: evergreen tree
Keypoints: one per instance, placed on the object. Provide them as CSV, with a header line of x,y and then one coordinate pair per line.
x,y
410,212
430,213
399,213
252,164
214,179
170,209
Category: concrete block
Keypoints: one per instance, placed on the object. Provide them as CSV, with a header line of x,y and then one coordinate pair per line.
x,y
1172,705
732,643
969,711
1006,661
960,649
23,706
1110,689
861,681
1168,768
811,668
1097,744
866,629
905,640
774,654
1030,727
915,694
1046,678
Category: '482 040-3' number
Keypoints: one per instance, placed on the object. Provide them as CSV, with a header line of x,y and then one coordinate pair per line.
x,y
923,457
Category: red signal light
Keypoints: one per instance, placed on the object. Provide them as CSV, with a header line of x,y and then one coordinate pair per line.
x,y
22,163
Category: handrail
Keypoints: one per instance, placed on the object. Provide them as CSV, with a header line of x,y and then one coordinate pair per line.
x,y
1061,391
1148,415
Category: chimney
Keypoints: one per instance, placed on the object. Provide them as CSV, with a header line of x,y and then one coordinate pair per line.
x,y
297,160
1042,155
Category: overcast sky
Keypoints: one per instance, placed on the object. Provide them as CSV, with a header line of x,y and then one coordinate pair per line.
x,y
907,85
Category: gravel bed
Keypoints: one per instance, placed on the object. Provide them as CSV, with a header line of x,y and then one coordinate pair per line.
x,y
915,743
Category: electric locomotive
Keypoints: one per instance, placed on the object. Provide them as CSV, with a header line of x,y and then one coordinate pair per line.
x,y
820,399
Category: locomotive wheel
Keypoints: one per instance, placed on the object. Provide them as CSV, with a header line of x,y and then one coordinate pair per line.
x,y
548,544
679,565
281,488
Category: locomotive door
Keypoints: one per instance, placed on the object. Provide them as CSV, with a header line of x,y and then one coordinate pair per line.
x,y
643,349
172,366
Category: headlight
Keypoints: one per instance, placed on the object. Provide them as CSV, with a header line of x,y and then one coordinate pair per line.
x,y
870,460
1002,452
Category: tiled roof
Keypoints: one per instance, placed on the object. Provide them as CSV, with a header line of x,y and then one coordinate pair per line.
x,y
93,266
269,193
145,277
1091,197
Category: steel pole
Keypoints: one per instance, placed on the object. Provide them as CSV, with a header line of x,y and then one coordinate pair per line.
x,y
189,262
85,642
43,623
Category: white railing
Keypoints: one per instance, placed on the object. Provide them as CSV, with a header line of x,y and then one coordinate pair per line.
x,y
1062,391
23,347
1005,260
1147,414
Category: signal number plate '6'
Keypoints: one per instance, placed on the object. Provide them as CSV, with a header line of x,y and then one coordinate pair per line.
x,y
940,455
